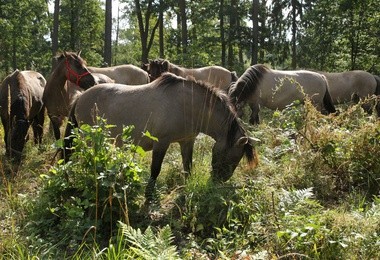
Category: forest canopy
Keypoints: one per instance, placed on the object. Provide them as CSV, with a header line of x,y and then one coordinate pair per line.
x,y
322,35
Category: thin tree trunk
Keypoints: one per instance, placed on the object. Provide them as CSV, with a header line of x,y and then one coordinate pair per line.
x,y
116,52
255,31
108,34
222,34
54,33
144,29
231,36
161,29
294,34
182,10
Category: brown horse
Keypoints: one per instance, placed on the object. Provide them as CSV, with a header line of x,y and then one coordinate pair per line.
x,y
21,106
124,74
173,109
215,75
352,85
275,89
69,67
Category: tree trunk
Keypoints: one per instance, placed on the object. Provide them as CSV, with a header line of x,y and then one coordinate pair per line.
x,y
73,22
108,34
294,34
117,35
255,31
144,29
161,29
231,36
222,36
54,33
182,10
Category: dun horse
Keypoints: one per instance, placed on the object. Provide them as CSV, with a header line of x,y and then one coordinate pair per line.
x,y
173,109
21,106
276,89
215,75
353,86
124,74
57,96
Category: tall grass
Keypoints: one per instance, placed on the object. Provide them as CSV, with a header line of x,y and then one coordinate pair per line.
x,y
315,194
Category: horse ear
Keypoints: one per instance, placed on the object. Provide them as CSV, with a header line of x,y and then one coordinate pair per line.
x,y
246,139
165,65
64,53
79,52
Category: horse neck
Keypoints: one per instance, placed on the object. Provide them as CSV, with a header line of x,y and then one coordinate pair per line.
x,y
57,77
210,116
177,70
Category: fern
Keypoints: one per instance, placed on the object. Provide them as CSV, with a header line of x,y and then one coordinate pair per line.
x,y
290,199
147,245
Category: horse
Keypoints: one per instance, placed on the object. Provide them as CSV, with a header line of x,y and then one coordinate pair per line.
x,y
275,89
124,74
354,86
21,106
56,97
172,109
215,75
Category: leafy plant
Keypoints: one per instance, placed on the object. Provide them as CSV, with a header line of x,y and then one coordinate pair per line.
x,y
84,198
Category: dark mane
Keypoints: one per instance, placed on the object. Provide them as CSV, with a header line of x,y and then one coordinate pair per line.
x,y
168,79
72,55
247,83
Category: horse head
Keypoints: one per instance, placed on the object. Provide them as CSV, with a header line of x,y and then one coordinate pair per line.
x,y
157,67
227,155
76,70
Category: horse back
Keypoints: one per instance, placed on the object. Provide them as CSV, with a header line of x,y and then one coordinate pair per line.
x,y
158,109
25,85
344,85
127,74
280,88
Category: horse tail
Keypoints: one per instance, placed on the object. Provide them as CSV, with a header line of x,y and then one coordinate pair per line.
x,y
234,76
246,85
377,93
72,123
20,128
327,99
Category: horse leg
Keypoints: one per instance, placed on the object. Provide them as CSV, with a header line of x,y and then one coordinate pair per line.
x,y
56,123
187,155
72,123
255,119
38,126
20,129
5,121
158,154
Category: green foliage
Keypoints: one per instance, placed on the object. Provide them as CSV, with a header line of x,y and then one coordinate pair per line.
x,y
84,198
147,245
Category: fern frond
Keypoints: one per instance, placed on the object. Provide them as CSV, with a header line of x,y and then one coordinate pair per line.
x,y
147,245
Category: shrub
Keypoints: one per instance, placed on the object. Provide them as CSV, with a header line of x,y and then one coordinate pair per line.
x,y
82,200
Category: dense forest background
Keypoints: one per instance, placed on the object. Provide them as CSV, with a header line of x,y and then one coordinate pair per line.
x,y
323,35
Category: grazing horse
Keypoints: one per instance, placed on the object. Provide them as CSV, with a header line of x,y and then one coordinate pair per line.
x,y
352,85
275,89
215,75
124,74
69,67
21,106
173,109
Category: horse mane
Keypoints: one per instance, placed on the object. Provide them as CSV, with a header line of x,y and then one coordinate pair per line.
x,y
72,55
247,83
168,79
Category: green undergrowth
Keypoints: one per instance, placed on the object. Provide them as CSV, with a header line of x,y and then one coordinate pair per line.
x,y
315,194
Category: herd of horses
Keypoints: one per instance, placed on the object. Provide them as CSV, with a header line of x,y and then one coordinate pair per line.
x,y
173,103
